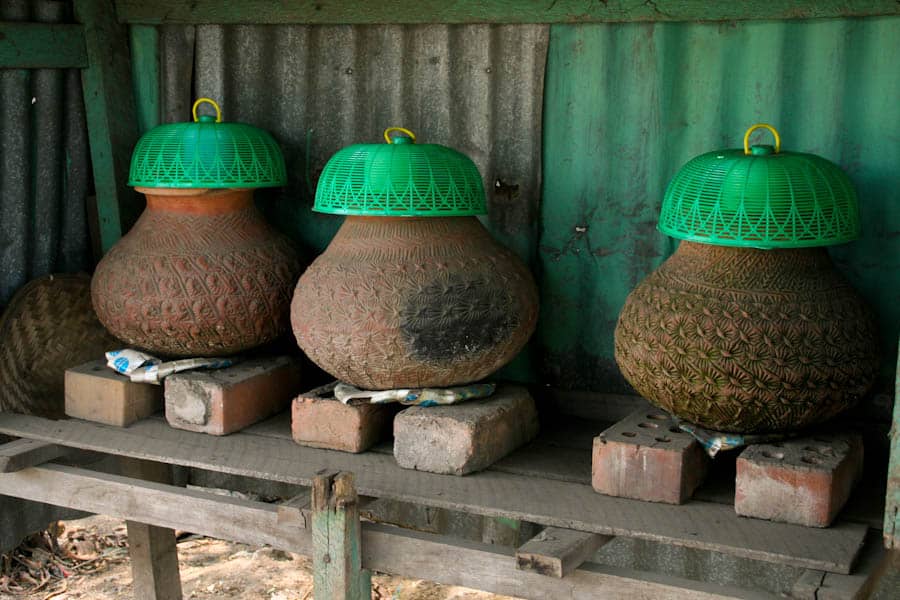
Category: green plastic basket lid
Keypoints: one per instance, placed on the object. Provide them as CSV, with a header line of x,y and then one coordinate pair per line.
x,y
761,197
207,153
400,179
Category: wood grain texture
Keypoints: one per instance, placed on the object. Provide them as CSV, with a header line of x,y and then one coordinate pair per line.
x,y
154,562
385,548
41,45
554,503
111,117
156,504
892,501
557,552
337,560
20,454
489,11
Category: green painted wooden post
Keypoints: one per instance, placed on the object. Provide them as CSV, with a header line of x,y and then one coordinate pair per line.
x,y
41,45
337,571
892,502
145,73
488,11
111,117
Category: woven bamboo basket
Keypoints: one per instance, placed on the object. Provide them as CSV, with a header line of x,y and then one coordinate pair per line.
x,y
48,327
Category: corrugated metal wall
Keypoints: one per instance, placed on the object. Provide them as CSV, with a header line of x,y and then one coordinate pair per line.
x,y
44,164
626,105
317,89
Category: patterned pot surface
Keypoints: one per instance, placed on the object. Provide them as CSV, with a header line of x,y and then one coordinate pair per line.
x,y
413,302
199,274
745,340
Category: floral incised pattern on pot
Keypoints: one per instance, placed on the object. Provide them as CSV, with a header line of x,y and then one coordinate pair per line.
x,y
197,285
411,302
747,340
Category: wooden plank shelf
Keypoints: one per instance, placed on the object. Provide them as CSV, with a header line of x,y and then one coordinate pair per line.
x,y
266,452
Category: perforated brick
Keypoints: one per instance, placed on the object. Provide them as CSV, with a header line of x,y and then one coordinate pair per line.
x,y
805,481
646,457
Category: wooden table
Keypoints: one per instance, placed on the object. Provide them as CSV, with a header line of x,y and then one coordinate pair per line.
x,y
546,482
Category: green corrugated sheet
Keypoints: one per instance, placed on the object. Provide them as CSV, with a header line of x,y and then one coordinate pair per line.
x,y
626,105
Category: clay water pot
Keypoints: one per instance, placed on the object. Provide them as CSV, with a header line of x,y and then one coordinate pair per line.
x,y
748,327
746,340
398,302
201,273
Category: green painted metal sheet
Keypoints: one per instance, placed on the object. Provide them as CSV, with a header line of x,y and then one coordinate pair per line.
x,y
626,105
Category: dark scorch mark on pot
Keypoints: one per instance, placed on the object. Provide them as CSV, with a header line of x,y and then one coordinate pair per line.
x,y
454,318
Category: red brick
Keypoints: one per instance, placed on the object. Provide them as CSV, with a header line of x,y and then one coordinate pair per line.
x,y
321,421
646,457
805,481
222,401
95,392
466,437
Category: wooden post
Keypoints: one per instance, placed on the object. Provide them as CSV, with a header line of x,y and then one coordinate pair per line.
x,y
153,550
892,502
337,572
111,116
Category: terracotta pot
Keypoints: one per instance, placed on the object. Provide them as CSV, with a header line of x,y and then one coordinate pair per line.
x,y
201,273
744,340
397,302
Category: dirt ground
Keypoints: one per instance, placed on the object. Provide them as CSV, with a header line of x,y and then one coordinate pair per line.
x,y
97,562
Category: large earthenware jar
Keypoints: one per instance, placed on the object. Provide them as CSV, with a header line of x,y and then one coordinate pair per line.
x,y
201,273
412,291
748,327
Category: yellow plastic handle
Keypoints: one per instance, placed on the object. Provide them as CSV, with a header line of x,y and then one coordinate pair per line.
x,y
762,126
390,140
208,101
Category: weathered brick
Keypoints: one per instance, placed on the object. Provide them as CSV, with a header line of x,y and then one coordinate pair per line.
x,y
646,457
466,437
805,481
321,421
222,401
95,392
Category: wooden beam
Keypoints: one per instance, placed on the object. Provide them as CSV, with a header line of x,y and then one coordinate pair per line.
x,y
24,453
337,559
145,69
111,117
41,46
557,552
157,504
384,548
488,11
545,501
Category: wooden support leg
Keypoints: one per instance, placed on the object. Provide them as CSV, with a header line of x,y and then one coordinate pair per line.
x,y
154,562
337,574
154,555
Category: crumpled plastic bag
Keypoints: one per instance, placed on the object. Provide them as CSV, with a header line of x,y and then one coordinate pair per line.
x,y
144,368
716,441
416,397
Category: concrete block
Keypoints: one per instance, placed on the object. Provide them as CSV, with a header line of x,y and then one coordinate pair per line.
x,y
646,457
222,401
805,481
321,421
94,392
467,437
